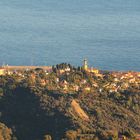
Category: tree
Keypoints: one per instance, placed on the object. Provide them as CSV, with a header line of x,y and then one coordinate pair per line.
x,y
47,137
71,135
5,132
1,92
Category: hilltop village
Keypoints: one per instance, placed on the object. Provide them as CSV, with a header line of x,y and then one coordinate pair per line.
x,y
65,78
90,103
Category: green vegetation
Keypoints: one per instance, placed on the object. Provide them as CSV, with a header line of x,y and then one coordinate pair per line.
x,y
37,105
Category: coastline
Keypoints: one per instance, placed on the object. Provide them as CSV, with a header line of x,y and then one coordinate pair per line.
x,y
26,67
32,67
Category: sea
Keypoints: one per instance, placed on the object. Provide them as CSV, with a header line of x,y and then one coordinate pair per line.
x,y
49,32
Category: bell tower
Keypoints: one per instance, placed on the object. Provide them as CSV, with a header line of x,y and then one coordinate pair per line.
x,y
85,64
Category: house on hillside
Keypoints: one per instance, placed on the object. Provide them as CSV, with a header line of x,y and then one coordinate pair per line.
x,y
138,137
67,69
61,71
116,80
57,80
76,87
42,82
138,74
83,81
2,71
64,84
132,80
93,70
86,88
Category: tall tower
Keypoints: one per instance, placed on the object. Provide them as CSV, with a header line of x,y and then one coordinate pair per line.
x,y
85,64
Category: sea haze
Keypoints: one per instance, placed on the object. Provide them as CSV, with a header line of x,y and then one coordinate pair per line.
x,y
46,32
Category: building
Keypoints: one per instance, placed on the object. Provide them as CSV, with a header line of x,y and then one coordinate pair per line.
x,y
93,70
85,64
2,71
138,137
64,84
86,68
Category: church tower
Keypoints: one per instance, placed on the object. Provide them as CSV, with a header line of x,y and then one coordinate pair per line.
x,y
85,64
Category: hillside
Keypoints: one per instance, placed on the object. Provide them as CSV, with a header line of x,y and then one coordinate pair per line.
x,y
31,110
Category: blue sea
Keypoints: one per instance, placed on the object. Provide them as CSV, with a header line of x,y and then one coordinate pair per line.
x,y
47,32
